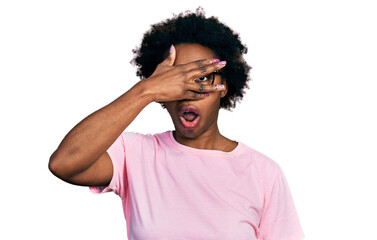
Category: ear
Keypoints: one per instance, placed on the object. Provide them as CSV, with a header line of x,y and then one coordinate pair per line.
x,y
225,91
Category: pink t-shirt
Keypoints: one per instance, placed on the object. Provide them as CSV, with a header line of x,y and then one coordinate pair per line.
x,y
171,191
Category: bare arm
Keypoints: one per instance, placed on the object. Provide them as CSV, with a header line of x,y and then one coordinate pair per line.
x,y
88,141
81,158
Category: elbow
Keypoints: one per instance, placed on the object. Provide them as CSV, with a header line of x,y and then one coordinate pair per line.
x,y
58,167
52,165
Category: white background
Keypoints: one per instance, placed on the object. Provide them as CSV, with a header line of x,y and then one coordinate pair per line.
x,y
311,105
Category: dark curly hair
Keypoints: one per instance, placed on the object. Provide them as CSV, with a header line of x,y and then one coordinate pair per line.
x,y
189,27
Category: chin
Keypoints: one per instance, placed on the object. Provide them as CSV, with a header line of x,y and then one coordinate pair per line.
x,y
188,133
192,134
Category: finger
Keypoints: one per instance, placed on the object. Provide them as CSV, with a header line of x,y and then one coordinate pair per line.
x,y
191,95
205,70
198,64
204,88
169,61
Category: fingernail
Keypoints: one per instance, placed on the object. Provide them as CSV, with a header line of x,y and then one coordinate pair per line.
x,y
206,94
215,60
219,86
222,63
171,48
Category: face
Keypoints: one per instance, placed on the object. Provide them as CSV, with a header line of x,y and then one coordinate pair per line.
x,y
201,115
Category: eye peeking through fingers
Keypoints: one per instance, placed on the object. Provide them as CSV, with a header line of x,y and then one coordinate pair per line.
x,y
202,79
209,77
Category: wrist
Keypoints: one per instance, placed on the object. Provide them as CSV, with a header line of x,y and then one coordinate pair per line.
x,y
145,91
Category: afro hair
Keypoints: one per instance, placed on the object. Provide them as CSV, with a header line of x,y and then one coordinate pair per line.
x,y
194,27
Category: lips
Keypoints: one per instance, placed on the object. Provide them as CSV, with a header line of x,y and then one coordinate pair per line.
x,y
189,117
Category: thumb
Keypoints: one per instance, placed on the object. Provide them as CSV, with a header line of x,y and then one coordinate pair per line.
x,y
171,58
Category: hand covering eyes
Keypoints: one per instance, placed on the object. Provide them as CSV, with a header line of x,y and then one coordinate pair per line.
x,y
207,78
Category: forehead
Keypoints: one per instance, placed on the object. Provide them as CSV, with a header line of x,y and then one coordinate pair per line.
x,y
189,52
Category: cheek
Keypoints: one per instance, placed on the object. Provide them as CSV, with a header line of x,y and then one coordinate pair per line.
x,y
212,105
170,110
213,100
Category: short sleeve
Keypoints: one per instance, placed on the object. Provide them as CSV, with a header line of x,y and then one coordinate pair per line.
x,y
119,180
280,220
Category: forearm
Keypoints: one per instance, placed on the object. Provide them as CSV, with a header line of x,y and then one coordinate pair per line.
x,y
90,138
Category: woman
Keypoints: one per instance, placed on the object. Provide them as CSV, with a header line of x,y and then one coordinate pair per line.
x,y
191,183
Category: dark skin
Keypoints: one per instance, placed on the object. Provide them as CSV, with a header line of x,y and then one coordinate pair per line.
x,y
206,135
81,158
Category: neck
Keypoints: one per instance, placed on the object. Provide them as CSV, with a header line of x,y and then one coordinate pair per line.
x,y
211,140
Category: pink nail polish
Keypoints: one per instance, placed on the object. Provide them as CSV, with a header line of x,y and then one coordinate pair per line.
x,y
206,94
222,63
215,60
219,86
171,48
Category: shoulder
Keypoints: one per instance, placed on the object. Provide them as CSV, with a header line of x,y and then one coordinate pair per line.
x,y
264,169
265,164
134,138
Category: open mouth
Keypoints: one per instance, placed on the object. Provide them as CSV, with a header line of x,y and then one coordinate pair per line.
x,y
189,117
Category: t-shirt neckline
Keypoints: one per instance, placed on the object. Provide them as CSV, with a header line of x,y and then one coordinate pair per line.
x,y
203,151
